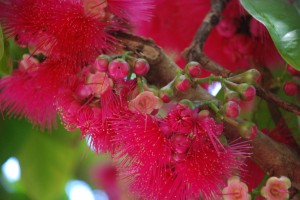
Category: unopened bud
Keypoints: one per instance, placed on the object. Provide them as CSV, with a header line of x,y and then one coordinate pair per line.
x,y
290,88
182,83
246,91
187,103
250,76
166,93
293,71
232,96
141,67
231,109
180,143
247,130
194,69
102,62
118,68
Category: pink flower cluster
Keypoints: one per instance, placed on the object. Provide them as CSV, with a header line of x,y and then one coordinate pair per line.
x,y
70,34
178,156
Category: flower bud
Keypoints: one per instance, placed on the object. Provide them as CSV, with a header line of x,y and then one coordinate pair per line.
x,y
118,68
102,62
182,83
166,93
141,67
83,91
187,103
293,71
246,91
179,157
226,27
247,130
194,69
180,143
231,109
250,76
232,96
290,88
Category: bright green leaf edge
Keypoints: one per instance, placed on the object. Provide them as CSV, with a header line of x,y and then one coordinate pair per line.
x,y
283,23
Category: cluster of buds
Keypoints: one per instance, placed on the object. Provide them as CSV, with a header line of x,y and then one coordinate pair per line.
x,y
291,88
119,68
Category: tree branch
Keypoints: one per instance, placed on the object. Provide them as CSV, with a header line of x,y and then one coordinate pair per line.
x,y
195,53
274,158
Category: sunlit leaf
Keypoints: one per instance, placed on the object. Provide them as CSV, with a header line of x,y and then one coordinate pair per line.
x,y
282,20
47,163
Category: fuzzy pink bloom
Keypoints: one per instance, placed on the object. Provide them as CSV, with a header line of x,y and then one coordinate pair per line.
x,y
276,188
30,93
236,190
57,28
131,10
180,119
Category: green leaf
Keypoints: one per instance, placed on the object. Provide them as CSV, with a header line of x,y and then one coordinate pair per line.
x,y
6,63
282,20
47,163
1,43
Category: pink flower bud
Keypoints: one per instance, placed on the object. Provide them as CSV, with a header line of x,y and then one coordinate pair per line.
x,y
182,83
246,91
235,190
293,71
83,91
99,83
231,109
146,102
226,27
118,68
179,157
101,63
232,96
180,143
247,130
166,93
290,88
194,69
141,67
276,188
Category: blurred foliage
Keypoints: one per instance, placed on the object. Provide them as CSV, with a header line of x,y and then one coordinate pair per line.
x,y
47,160
281,18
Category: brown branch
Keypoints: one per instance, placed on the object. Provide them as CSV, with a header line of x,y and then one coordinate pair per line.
x,y
273,157
195,53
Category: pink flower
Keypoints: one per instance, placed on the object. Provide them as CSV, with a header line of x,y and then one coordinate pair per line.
x,y
236,190
276,188
99,83
146,102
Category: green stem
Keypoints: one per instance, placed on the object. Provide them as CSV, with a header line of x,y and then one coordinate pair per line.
x,y
256,191
208,79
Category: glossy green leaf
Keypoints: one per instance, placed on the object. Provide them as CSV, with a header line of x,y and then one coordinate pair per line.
x,y
1,43
282,20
